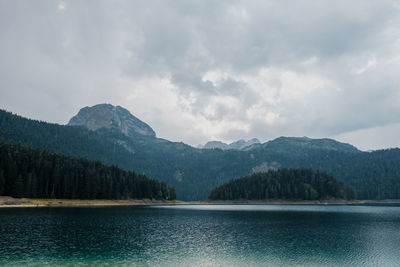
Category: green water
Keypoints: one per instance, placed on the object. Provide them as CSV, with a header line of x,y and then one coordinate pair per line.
x,y
204,235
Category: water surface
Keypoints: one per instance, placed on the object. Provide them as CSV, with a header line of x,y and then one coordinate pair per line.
x,y
202,235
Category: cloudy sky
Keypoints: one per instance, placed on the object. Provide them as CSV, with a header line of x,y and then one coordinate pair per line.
x,y
210,70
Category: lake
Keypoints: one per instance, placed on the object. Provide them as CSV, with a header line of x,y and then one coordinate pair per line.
x,y
202,235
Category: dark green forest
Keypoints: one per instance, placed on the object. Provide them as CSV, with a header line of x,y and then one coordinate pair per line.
x,y
35,173
293,184
195,172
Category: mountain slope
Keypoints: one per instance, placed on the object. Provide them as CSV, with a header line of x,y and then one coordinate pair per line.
x,y
294,144
71,141
36,173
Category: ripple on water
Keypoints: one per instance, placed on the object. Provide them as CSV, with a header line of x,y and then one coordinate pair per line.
x,y
201,235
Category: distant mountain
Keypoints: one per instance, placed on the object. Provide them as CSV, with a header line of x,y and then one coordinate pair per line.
x,y
111,117
238,145
242,144
194,172
284,145
216,144
294,144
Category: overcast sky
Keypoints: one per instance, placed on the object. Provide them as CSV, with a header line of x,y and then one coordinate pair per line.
x,y
210,70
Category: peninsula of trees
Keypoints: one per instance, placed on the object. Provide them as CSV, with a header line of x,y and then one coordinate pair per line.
x,y
292,184
35,173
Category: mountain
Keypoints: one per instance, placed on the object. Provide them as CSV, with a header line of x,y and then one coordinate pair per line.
x,y
111,117
194,172
294,144
237,145
284,145
299,184
242,144
215,144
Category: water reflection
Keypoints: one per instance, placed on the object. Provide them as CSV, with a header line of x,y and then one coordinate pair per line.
x,y
202,235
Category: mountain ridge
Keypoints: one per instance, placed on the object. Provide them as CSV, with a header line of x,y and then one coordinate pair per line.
x,y
237,145
288,143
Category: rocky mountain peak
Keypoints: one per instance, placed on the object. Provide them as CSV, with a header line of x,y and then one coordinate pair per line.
x,y
111,117
237,145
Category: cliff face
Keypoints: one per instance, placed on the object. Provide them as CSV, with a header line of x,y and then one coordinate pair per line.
x,y
109,116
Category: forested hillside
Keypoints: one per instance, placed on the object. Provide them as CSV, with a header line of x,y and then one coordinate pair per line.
x,y
35,173
294,184
373,175
194,172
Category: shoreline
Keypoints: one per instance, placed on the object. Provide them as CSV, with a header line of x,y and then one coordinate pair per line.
x,y
300,202
10,202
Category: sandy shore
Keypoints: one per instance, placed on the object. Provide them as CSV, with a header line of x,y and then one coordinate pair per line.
x,y
10,202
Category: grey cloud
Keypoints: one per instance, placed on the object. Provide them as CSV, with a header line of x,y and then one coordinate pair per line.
x,y
232,87
102,51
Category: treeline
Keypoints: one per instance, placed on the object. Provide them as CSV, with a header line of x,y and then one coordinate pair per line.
x,y
295,184
35,173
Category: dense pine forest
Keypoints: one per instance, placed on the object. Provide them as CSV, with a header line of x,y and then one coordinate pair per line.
x,y
35,173
195,172
294,184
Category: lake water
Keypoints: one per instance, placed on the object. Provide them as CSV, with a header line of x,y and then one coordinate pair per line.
x,y
202,235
